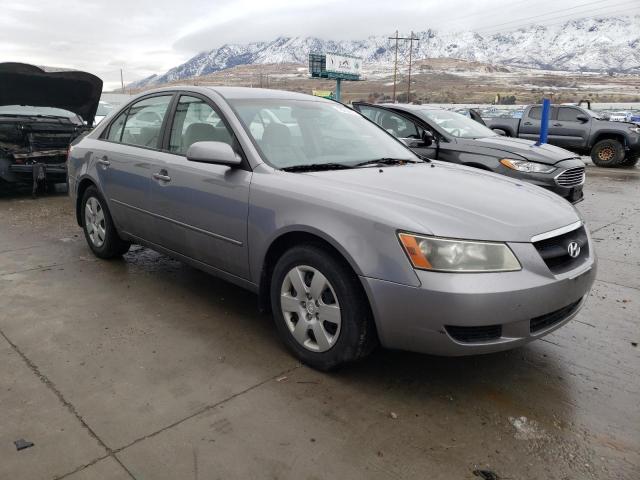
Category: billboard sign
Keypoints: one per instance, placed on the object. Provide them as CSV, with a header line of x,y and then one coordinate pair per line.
x,y
343,64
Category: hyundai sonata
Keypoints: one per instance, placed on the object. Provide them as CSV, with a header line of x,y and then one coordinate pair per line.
x,y
346,236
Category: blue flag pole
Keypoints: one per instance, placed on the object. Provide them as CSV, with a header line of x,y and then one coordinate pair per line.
x,y
544,121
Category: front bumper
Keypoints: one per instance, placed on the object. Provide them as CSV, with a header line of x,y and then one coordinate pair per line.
x,y
20,173
416,318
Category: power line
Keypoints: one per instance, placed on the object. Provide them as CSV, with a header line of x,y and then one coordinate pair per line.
x,y
551,12
585,16
519,22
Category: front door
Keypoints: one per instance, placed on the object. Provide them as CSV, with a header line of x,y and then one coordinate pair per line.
x,y
565,130
201,209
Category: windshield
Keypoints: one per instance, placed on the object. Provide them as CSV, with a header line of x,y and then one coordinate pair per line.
x,y
455,124
301,132
27,110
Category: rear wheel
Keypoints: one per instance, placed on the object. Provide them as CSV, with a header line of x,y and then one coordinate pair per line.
x,y
98,227
608,153
320,309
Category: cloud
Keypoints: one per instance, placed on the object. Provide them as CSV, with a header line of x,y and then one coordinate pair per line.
x,y
151,36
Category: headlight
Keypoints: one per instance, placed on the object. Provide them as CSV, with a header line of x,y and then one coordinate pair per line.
x,y
524,166
635,129
449,255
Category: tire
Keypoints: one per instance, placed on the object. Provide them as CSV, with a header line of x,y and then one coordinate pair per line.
x,y
608,153
99,231
338,320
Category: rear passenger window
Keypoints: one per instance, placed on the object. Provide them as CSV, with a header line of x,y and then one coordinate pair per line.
x,y
144,122
568,114
535,113
196,121
115,131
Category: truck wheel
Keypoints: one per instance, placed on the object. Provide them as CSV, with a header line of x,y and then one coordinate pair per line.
x,y
607,153
99,231
320,309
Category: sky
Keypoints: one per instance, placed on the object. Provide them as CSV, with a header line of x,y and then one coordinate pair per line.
x,y
143,37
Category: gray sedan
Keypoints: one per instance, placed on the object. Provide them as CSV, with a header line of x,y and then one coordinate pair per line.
x,y
348,237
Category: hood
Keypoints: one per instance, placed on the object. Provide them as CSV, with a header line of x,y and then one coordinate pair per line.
x,y
444,200
509,147
77,92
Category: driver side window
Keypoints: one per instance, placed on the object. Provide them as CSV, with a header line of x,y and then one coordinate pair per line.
x,y
396,125
196,121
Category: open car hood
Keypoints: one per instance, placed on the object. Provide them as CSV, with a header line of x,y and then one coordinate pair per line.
x,y
75,91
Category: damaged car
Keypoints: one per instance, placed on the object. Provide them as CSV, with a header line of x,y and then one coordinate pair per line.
x,y
41,113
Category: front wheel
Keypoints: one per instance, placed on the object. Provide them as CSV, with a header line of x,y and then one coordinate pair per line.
x,y
608,153
98,227
320,308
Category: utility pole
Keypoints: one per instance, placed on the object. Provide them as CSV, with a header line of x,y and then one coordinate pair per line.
x,y
121,80
395,67
395,63
411,39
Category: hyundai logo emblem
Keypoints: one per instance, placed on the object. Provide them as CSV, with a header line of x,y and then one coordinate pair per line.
x,y
573,249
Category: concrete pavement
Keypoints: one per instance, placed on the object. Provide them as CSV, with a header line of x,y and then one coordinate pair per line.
x,y
146,368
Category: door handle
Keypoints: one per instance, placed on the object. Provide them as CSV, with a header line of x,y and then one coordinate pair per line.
x,y
162,176
527,123
557,124
104,162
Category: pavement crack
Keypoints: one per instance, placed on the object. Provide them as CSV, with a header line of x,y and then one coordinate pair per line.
x,y
81,467
70,407
618,284
207,408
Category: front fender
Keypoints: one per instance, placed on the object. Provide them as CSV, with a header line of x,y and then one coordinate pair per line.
x,y
371,248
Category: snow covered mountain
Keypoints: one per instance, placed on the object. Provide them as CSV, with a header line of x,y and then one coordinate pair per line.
x,y
595,44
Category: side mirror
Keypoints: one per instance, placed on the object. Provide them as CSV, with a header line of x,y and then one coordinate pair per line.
x,y
213,152
427,138
500,132
582,118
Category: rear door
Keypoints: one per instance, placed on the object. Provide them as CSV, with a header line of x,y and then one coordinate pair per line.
x,y
565,130
124,164
201,209
530,124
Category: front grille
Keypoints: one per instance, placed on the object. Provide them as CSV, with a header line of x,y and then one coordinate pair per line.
x,y
474,334
545,321
45,141
571,177
555,251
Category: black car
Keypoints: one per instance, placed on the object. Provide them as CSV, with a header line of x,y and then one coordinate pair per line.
x,y
451,137
581,130
41,113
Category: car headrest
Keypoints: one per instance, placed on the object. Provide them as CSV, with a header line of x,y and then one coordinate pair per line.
x,y
198,132
276,135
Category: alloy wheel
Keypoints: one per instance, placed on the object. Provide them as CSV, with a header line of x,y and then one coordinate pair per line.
x,y
94,221
606,153
310,308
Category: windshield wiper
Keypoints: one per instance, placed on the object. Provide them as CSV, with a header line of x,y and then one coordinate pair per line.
x,y
388,161
311,167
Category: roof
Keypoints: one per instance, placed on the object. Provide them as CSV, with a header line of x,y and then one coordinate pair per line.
x,y
409,106
239,93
